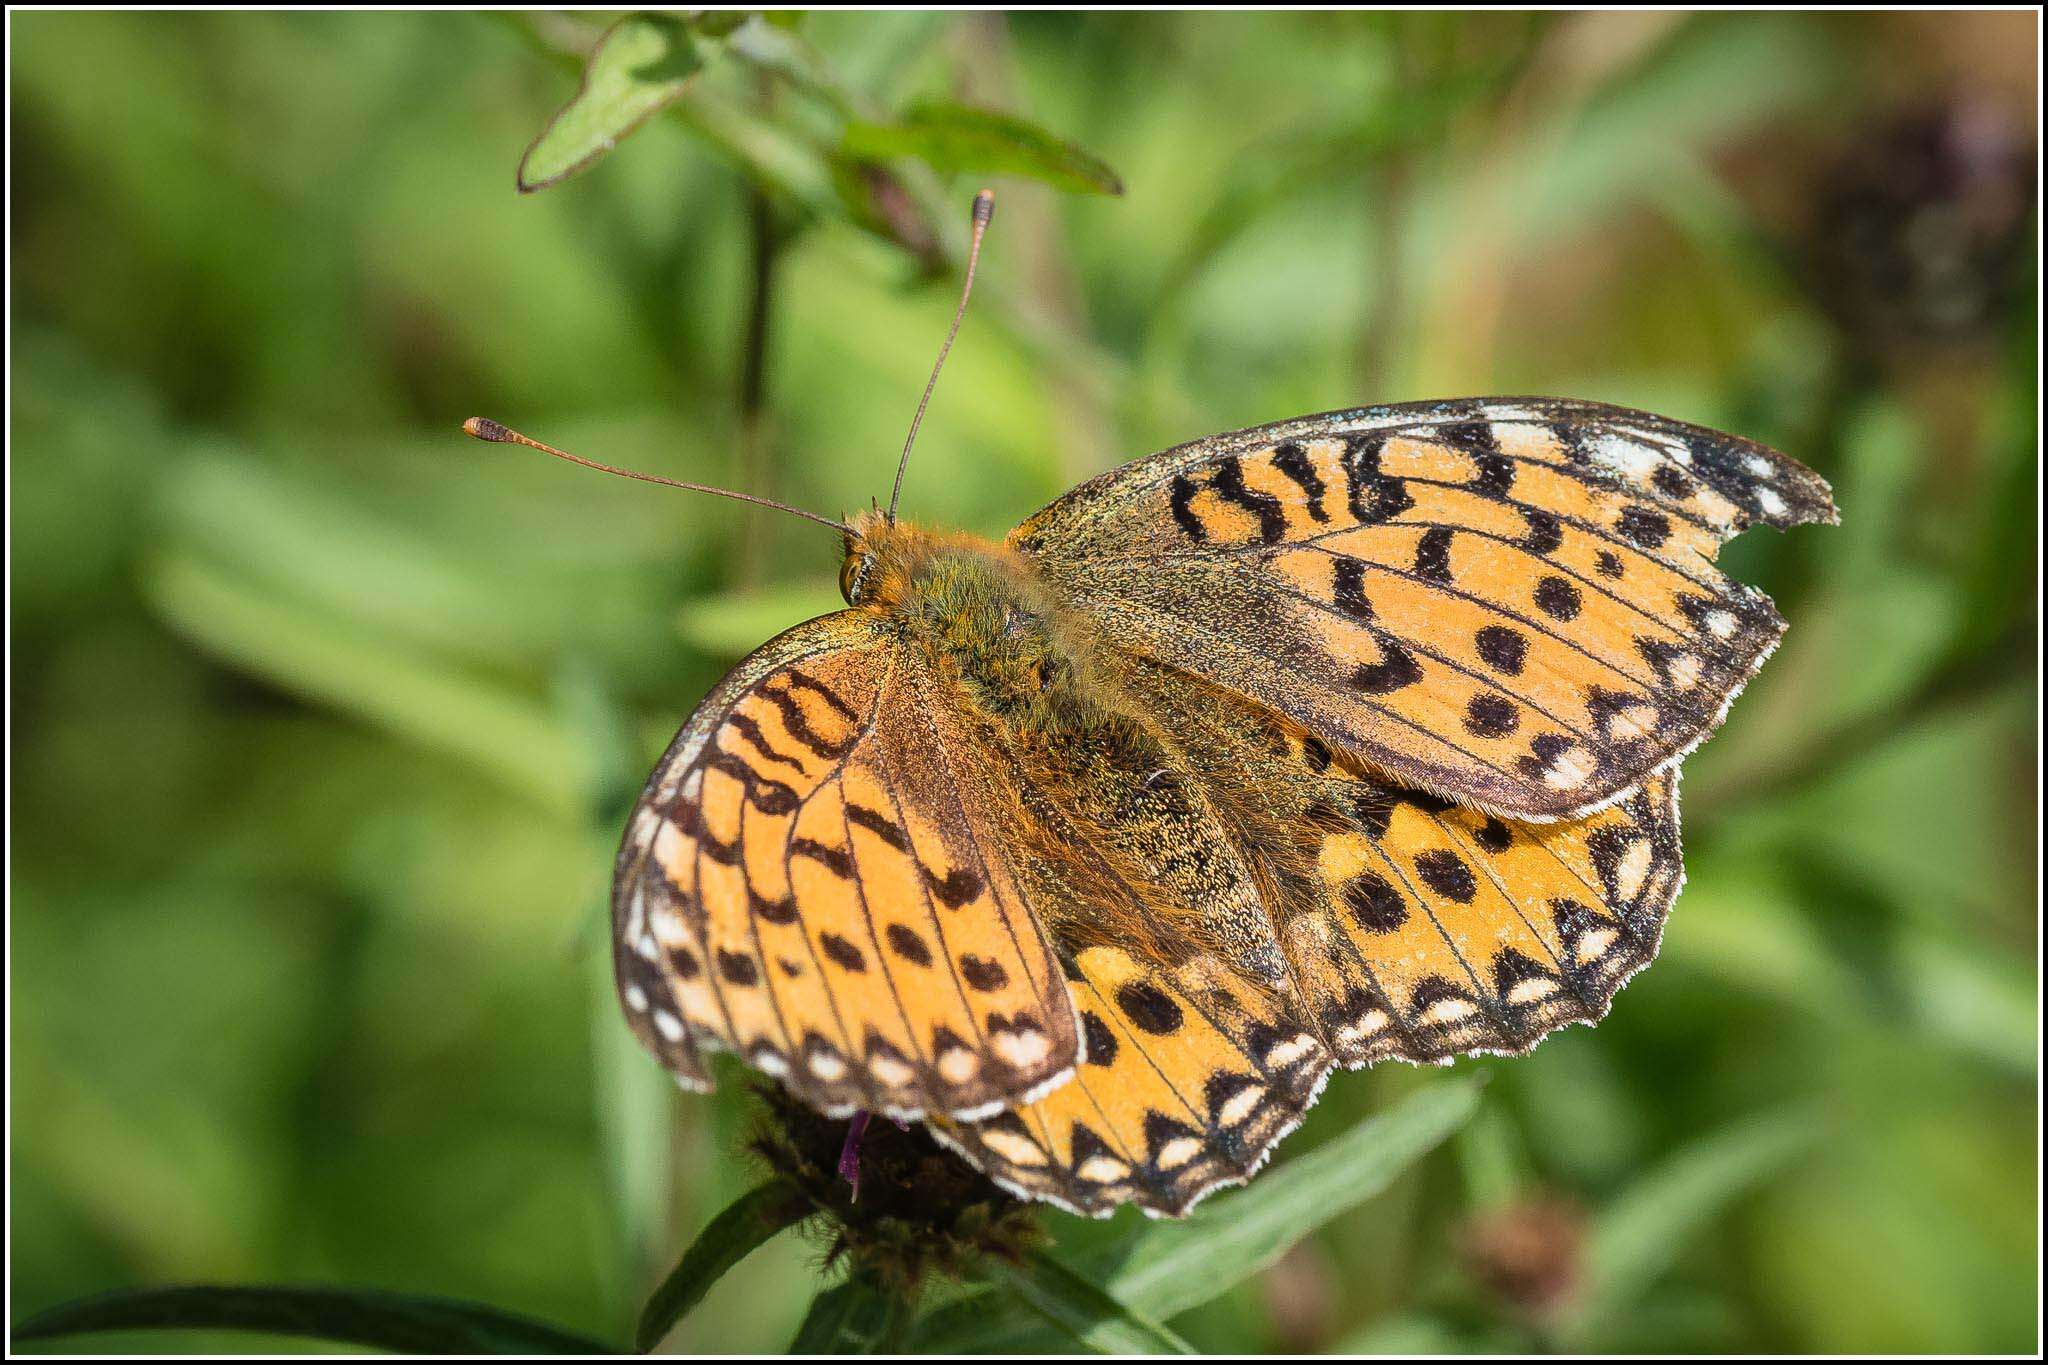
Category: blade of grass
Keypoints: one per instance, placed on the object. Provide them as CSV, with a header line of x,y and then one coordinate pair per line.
x,y
339,664
411,1324
1083,1311
745,1224
1175,1266
1159,1269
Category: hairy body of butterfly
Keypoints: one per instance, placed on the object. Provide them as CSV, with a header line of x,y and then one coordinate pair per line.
x,y
1345,738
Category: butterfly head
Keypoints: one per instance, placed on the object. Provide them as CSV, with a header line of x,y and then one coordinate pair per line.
x,y
858,575
881,557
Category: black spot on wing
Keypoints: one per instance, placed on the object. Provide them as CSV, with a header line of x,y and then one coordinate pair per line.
x,y
983,974
1643,527
1228,481
1496,475
1373,497
837,861
1557,598
1290,459
1445,873
881,826
906,943
1100,1039
1148,1007
779,911
1545,532
1544,750
842,952
1433,555
1348,588
1180,497
1374,903
1395,670
1489,715
780,692
1503,648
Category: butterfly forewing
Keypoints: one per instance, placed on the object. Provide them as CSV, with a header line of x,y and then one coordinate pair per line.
x,y
1512,603
811,880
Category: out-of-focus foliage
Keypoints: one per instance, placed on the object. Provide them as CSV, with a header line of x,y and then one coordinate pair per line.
x,y
323,717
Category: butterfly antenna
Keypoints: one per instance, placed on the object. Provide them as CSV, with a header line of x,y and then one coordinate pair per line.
x,y
984,209
484,429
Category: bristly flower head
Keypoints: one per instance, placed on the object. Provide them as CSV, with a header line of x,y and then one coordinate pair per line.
x,y
915,1210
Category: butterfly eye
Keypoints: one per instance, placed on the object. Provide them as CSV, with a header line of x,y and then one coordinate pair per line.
x,y
853,576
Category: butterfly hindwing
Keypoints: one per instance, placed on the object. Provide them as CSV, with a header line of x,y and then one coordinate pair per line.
x,y
1509,602
1413,927
812,880
1435,931
1191,1074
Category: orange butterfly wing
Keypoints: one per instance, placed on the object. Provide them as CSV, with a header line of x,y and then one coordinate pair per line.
x,y
1192,1075
1509,602
1409,927
812,880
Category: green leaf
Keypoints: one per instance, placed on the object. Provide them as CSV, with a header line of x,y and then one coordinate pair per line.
x,y
956,137
640,65
412,1324
1159,1269
1643,1231
1080,1309
337,663
858,1317
745,1224
1175,1266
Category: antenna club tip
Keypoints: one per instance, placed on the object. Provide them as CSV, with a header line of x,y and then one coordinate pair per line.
x,y
484,429
984,207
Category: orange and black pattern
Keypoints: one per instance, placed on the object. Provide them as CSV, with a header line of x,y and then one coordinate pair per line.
x,y
1405,926
1344,739
1191,1074
808,883
1512,603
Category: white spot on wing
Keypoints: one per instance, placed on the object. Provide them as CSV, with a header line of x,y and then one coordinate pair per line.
x,y
1620,453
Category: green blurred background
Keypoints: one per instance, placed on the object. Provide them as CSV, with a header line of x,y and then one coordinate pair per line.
x,y
322,714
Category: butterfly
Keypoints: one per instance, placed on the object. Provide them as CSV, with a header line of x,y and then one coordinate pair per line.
x,y
1097,849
